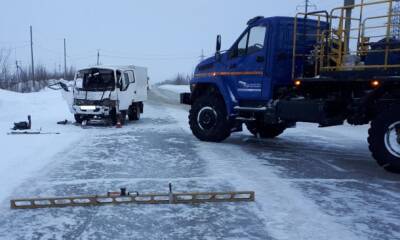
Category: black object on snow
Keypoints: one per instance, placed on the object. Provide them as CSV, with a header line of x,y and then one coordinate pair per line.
x,y
32,133
65,122
23,125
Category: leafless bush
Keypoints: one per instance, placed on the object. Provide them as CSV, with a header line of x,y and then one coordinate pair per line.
x,y
179,79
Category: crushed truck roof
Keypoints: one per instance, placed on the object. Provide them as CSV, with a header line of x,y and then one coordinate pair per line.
x,y
113,67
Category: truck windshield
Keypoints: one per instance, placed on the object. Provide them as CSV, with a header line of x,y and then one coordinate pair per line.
x,y
97,79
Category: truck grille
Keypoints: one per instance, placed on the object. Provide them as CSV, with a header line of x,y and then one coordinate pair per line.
x,y
104,102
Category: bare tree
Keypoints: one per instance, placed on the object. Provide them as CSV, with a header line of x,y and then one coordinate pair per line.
x,y
179,79
4,66
21,79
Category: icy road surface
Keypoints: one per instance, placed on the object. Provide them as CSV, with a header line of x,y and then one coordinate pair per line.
x,y
309,183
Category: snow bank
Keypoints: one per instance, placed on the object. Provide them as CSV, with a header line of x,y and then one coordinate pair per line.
x,y
175,88
21,156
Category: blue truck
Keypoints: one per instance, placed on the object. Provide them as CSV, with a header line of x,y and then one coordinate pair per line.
x,y
308,68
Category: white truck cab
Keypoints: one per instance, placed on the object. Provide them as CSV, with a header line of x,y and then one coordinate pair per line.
x,y
109,92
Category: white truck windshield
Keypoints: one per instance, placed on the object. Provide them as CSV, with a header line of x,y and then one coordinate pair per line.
x,y
97,79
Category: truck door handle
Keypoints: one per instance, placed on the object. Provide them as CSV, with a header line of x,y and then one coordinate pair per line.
x,y
260,59
232,66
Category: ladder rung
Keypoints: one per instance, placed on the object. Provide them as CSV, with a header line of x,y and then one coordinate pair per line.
x,y
335,50
162,198
334,59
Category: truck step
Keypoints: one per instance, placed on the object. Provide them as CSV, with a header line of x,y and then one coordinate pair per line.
x,y
243,119
250,109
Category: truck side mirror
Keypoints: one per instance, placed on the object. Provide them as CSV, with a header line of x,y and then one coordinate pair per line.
x,y
218,48
218,45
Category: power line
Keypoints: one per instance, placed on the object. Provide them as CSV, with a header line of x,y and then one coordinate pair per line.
x,y
55,52
149,55
82,57
13,42
148,58
65,59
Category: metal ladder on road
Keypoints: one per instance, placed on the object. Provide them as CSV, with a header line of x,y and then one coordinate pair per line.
x,y
124,197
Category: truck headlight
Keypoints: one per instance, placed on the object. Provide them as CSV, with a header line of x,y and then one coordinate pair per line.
x,y
88,108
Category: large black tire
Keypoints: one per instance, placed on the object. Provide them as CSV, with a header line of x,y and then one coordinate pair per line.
x,y
208,119
78,118
265,130
384,140
134,112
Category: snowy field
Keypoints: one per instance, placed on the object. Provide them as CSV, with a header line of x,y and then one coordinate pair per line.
x,y
22,156
310,183
175,88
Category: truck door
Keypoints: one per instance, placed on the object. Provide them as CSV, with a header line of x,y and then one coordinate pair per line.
x,y
126,90
132,88
247,63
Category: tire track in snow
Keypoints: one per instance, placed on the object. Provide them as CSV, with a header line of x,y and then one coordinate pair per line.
x,y
287,213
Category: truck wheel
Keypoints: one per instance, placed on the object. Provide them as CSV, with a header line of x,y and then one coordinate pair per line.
x,y
113,116
265,130
78,118
123,117
384,140
134,112
208,119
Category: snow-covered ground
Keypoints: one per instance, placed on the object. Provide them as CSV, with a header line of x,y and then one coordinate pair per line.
x,y
175,88
310,183
168,93
22,156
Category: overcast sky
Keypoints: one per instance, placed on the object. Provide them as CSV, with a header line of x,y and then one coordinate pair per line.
x,y
166,36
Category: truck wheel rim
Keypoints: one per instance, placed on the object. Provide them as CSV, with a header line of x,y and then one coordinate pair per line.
x,y
207,118
392,139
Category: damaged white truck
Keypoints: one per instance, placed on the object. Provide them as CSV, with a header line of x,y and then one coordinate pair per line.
x,y
108,93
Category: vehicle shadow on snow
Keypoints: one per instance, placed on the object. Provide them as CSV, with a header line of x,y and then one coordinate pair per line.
x,y
340,177
314,156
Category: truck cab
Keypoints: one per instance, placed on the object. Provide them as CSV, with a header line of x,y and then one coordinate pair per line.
x,y
255,66
111,93
249,75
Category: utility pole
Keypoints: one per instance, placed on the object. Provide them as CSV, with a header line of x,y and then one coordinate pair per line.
x,y
98,57
307,5
32,63
202,55
16,65
65,59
